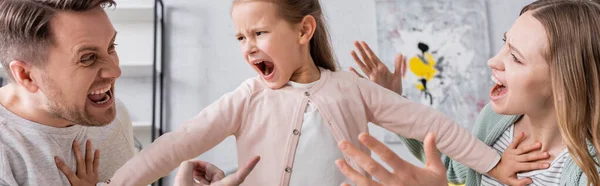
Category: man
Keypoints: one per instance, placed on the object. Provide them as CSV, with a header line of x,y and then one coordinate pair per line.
x,y
62,65
60,58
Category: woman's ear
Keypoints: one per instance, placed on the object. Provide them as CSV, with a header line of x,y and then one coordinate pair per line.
x,y
307,29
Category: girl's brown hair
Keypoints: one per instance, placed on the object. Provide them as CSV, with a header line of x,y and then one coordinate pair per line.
x,y
294,11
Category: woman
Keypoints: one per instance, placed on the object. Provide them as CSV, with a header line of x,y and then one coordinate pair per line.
x,y
547,85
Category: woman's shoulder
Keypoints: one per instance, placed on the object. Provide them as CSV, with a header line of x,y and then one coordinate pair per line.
x,y
490,125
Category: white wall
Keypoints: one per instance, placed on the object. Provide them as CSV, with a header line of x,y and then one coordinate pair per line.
x,y
205,61
502,14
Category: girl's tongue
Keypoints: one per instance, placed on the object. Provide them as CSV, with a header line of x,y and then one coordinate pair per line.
x,y
267,68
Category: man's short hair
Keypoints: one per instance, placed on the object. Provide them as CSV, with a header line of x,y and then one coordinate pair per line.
x,y
25,32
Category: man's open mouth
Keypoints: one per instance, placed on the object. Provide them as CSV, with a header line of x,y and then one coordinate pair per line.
x,y
101,96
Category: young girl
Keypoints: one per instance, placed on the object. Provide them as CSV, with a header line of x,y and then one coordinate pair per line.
x,y
548,86
299,107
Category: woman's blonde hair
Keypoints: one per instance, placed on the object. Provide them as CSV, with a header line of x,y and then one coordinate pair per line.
x,y
573,55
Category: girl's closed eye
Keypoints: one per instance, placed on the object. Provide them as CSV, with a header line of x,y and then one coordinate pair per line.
x,y
515,59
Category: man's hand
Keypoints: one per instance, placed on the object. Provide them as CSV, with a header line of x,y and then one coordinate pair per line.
x,y
199,173
403,174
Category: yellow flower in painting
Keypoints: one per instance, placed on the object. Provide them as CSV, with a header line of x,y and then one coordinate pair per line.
x,y
423,69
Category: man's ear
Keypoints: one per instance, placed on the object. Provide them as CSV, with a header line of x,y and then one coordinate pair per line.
x,y
21,72
307,29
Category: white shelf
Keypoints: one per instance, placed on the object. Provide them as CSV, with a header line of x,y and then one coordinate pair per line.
x,y
141,124
136,70
127,70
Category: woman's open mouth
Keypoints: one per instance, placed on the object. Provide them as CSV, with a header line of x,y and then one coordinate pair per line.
x,y
499,90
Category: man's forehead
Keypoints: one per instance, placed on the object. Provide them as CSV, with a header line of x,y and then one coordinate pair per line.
x,y
71,28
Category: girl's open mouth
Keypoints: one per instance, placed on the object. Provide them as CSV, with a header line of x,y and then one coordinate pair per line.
x,y
266,68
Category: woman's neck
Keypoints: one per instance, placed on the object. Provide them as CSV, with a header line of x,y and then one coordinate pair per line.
x,y
542,126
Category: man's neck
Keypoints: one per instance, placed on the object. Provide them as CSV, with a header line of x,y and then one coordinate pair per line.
x,y
28,106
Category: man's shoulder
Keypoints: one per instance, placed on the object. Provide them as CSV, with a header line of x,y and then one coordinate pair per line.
x,y
122,118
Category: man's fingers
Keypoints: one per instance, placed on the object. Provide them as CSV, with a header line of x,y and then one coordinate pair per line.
x,y
356,72
515,143
204,181
210,171
361,64
248,168
433,155
79,158
185,173
357,178
89,157
387,155
239,177
65,170
365,161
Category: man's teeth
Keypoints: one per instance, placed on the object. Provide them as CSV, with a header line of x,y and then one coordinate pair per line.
x,y
102,91
258,62
496,81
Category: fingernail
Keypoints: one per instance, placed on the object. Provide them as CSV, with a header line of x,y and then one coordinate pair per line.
x,y
56,159
546,165
339,163
546,154
343,146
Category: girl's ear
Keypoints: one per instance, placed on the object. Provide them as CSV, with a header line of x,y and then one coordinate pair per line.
x,y
307,29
